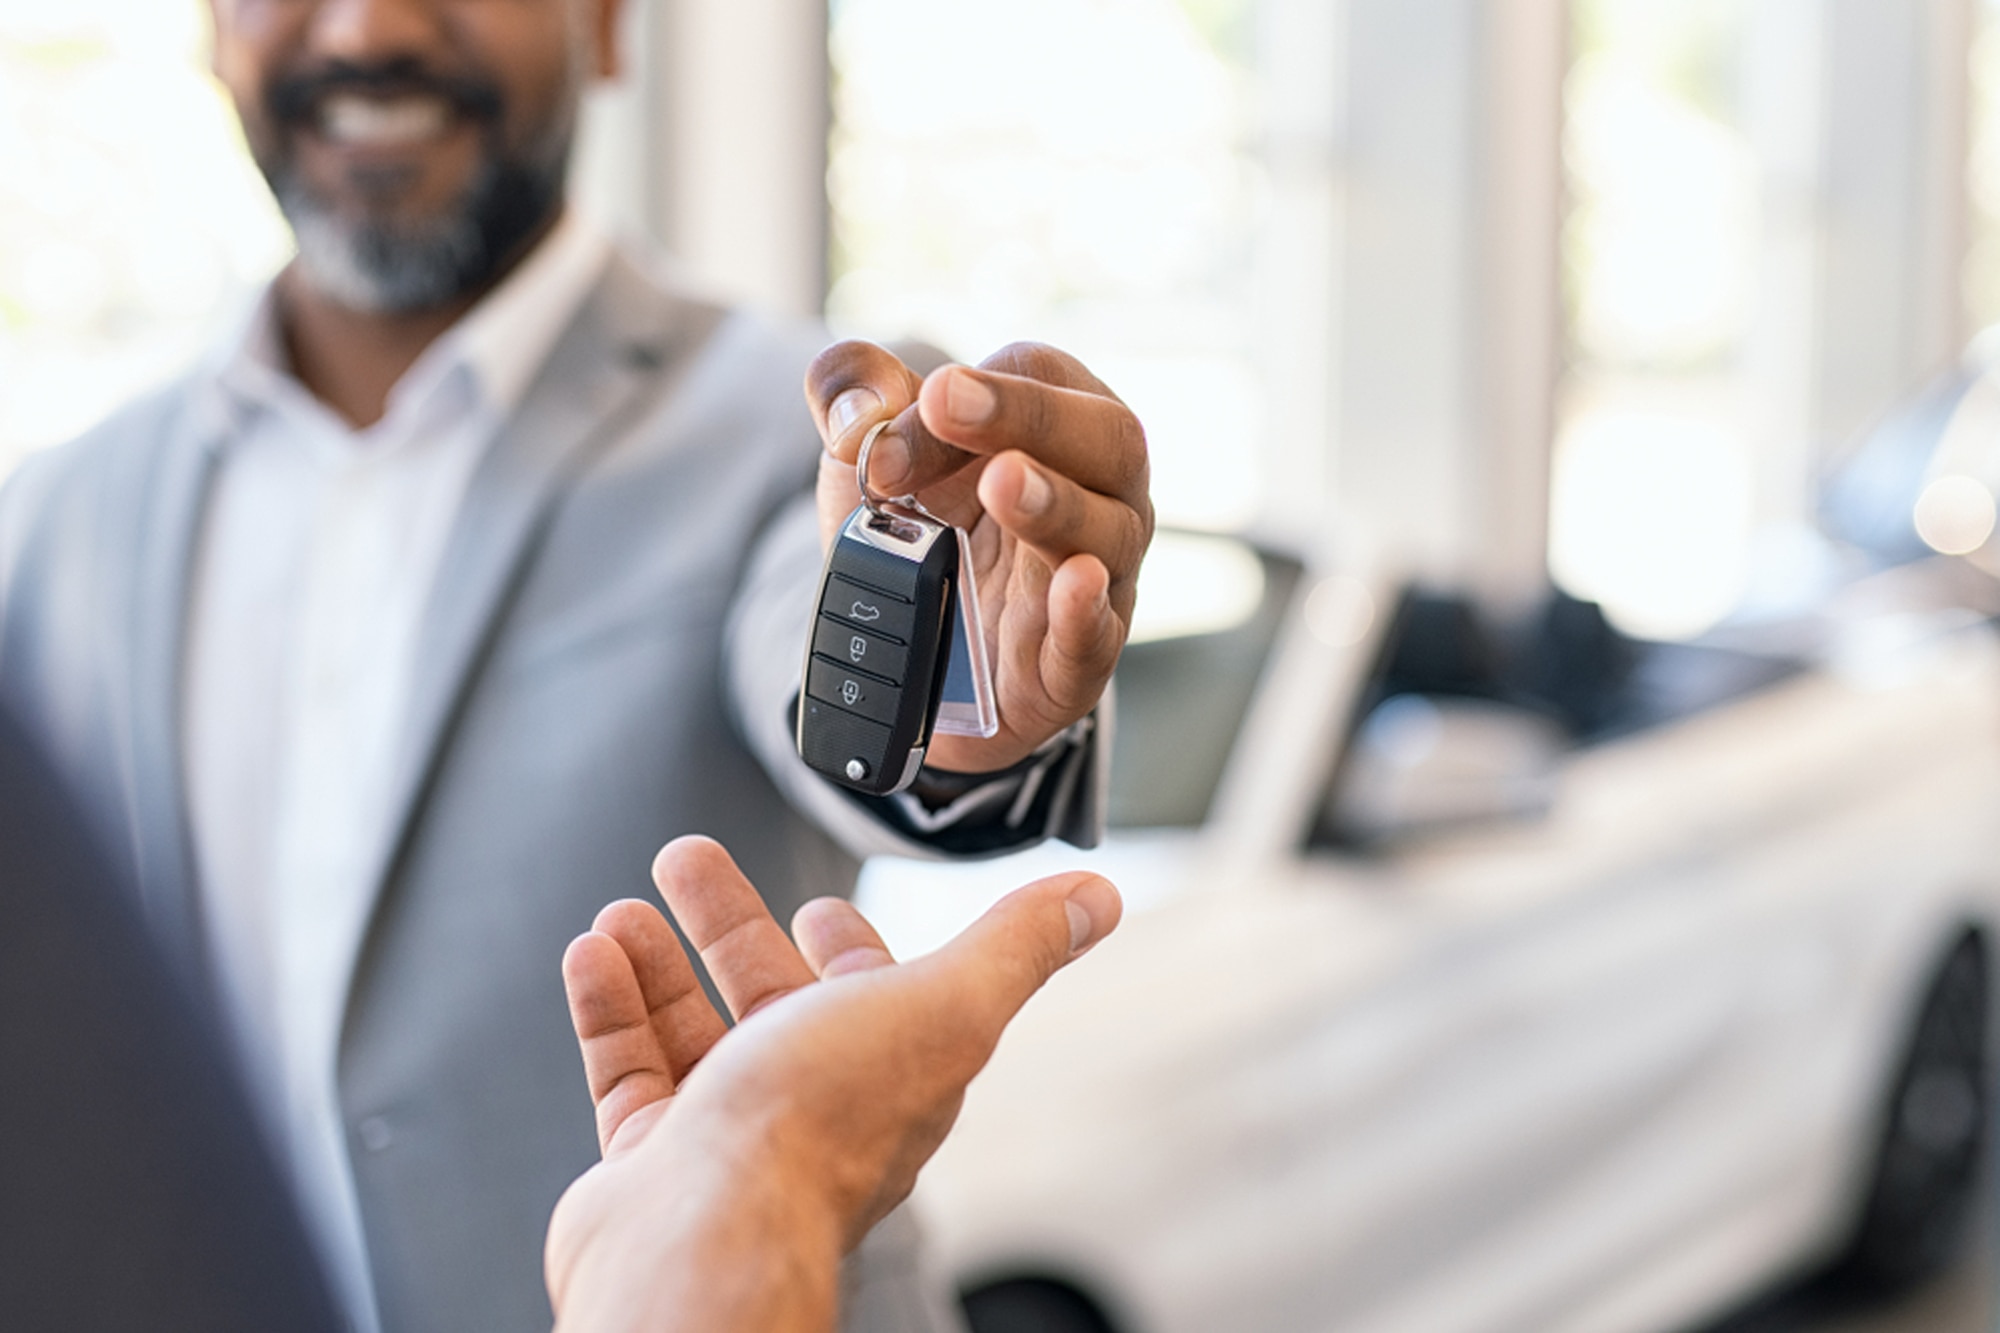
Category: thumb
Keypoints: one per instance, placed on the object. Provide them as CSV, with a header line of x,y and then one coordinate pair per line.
x,y
1009,953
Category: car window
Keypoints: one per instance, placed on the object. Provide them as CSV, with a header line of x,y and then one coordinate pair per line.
x,y
1564,666
1209,613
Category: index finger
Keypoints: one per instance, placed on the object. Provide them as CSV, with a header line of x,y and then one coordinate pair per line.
x,y
1086,435
1025,396
622,1062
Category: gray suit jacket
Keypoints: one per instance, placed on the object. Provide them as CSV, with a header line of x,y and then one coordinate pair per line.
x,y
607,663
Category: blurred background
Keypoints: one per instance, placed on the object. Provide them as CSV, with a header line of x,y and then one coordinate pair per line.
x,y
1452,324
1644,270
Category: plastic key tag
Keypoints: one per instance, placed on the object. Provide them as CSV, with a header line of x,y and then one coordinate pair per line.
x,y
966,707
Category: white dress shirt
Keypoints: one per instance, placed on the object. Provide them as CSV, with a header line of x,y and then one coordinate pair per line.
x,y
317,555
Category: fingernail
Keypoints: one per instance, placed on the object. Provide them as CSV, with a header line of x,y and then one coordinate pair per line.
x,y
888,462
849,408
1093,909
1035,492
967,399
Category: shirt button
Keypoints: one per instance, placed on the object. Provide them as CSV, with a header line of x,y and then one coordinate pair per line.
x,y
376,1134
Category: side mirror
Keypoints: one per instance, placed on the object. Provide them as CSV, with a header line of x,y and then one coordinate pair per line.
x,y
1420,763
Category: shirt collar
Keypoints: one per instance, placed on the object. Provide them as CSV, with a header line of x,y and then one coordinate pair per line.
x,y
509,334
501,342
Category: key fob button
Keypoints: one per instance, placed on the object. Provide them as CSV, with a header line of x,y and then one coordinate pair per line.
x,y
836,739
843,641
854,691
869,610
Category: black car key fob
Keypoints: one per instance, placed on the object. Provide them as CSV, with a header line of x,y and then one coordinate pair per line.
x,y
876,657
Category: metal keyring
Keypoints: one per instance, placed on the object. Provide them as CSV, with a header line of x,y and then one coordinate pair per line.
x,y
880,505
868,496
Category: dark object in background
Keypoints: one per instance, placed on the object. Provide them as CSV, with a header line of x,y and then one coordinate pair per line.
x,y
1924,1188
1438,645
1031,1305
1576,664
1182,700
1922,1195
1563,662
136,1191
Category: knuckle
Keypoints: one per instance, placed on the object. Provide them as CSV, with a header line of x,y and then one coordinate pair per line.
x,y
1131,466
1032,359
1049,365
1034,415
1068,518
1134,536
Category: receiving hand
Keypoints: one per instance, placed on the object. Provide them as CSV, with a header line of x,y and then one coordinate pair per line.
x,y
741,1163
1046,470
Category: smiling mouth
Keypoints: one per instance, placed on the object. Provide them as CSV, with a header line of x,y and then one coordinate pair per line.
x,y
353,121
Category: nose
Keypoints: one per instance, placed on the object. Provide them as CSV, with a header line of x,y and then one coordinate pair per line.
x,y
369,31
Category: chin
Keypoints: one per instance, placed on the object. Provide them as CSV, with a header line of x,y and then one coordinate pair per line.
x,y
386,261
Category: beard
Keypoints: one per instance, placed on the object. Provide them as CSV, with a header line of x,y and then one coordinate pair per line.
x,y
380,263
402,265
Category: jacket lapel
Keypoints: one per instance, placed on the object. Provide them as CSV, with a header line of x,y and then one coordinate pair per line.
x,y
169,511
608,365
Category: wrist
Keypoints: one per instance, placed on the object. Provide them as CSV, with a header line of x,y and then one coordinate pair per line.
x,y
764,1255
701,1242
938,786
956,765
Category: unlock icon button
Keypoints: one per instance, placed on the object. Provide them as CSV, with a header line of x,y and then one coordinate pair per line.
x,y
854,691
843,642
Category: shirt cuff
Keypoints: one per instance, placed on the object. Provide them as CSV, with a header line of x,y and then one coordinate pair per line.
x,y
1009,800
1050,794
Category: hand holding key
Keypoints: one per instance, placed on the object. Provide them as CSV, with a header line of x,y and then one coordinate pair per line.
x,y
1046,470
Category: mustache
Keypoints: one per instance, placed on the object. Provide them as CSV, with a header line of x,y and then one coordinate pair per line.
x,y
294,99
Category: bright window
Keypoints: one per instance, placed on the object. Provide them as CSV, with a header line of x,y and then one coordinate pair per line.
x,y
1982,273
1072,171
131,220
1652,507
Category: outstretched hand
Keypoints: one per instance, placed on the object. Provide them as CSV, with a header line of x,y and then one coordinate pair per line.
x,y
1046,470
741,1163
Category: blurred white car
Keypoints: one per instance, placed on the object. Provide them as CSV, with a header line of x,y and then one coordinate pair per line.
x,y
1532,979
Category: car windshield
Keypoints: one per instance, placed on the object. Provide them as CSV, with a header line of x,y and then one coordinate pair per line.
x,y
1209,612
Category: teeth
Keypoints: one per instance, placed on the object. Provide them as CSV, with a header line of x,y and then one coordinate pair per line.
x,y
367,122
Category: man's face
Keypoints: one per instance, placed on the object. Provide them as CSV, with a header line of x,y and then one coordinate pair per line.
x,y
413,144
